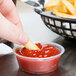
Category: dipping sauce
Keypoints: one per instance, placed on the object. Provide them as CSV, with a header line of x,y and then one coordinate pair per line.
x,y
40,61
45,51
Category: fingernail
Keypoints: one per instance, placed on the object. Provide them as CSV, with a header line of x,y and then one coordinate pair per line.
x,y
23,39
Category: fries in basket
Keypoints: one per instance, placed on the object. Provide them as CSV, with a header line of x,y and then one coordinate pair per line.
x,y
62,8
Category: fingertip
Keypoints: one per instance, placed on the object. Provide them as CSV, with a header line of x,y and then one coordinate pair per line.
x,y
23,39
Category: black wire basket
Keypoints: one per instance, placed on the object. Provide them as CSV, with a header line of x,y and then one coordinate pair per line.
x,y
65,27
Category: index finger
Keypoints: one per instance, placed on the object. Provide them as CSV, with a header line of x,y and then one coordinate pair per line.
x,y
8,9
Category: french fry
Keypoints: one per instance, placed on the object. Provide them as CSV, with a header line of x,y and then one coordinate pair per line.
x,y
55,9
49,8
30,45
69,6
51,4
71,1
61,14
61,7
75,4
64,15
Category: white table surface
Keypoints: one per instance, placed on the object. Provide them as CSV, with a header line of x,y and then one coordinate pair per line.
x,y
33,24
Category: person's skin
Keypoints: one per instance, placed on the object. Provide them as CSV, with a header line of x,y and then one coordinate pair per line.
x,y
10,24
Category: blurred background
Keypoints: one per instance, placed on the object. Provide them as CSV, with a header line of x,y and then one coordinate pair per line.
x,y
33,24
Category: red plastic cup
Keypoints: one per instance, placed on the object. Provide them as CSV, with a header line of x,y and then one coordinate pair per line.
x,y
40,65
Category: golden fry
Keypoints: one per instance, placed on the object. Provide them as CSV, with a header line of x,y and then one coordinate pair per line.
x,y
64,15
61,14
62,8
69,6
30,45
75,4
51,4
71,1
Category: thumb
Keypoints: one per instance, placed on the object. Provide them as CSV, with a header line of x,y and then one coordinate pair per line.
x,y
11,32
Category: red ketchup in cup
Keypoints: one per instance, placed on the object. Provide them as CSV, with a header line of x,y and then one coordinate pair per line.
x,y
40,61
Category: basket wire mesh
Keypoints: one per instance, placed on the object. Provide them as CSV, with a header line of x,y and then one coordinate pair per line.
x,y
62,26
65,27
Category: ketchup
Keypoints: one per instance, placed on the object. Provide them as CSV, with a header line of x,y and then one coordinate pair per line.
x,y
45,51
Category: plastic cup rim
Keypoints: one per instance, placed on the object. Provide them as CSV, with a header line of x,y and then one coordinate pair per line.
x,y
52,57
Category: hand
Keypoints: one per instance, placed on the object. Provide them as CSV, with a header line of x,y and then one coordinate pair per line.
x,y
10,24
